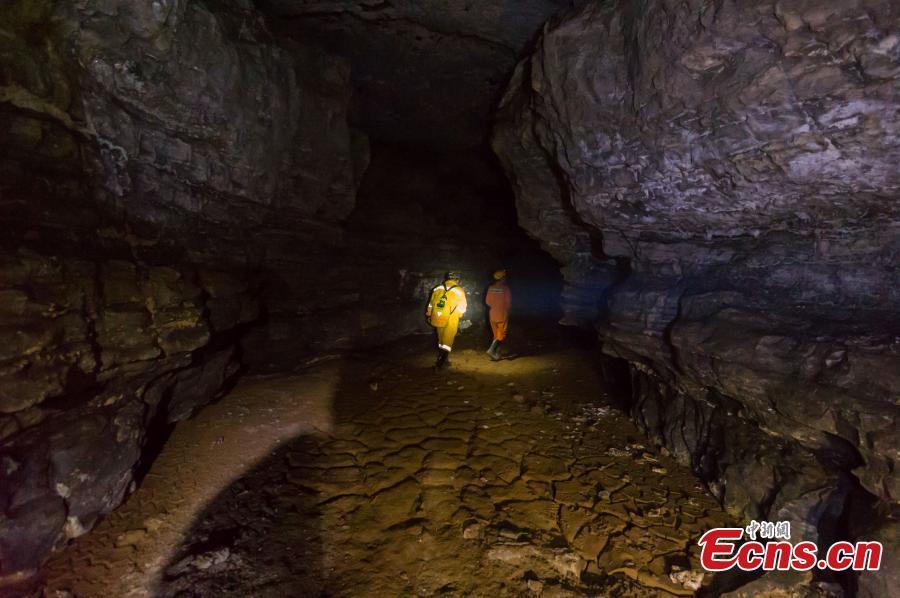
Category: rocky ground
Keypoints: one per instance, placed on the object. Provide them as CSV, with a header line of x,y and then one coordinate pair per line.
x,y
371,475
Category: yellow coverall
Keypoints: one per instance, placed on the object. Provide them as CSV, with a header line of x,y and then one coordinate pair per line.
x,y
445,307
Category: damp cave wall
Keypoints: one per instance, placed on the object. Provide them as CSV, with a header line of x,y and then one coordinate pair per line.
x,y
149,150
177,196
718,181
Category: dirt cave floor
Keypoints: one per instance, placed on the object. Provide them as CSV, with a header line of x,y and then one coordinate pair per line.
x,y
370,475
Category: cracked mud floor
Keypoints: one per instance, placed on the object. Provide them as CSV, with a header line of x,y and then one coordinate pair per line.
x,y
370,475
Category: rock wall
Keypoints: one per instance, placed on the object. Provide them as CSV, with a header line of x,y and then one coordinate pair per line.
x,y
146,152
719,181
179,202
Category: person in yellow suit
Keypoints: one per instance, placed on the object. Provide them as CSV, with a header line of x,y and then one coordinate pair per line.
x,y
499,300
445,307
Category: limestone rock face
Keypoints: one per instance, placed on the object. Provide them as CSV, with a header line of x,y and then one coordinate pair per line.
x,y
719,182
145,150
730,120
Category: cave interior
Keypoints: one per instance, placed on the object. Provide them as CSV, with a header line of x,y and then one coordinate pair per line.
x,y
222,221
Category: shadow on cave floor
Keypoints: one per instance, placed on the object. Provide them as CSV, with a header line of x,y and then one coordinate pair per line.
x,y
371,475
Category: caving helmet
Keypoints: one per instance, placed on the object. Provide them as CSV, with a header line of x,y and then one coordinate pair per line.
x,y
499,274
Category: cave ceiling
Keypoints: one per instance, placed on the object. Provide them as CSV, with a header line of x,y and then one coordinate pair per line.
x,y
425,72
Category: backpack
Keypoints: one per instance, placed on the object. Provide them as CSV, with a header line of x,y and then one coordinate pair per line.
x,y
440,315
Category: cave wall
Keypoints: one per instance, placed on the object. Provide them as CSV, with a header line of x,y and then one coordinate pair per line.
x,y
719,181
183,199
147,152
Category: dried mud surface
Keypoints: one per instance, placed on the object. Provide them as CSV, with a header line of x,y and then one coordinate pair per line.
x,y
372,475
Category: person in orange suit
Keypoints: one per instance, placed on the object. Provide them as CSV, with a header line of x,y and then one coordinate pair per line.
x,y
499,300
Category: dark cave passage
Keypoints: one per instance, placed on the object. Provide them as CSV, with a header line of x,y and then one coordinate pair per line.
x,y
417,215
228,233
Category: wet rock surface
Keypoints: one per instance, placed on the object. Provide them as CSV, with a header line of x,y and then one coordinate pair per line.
x,y
431,484
718,183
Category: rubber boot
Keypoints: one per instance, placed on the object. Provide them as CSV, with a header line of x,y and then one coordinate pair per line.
x,y
495,355
493,348
442,360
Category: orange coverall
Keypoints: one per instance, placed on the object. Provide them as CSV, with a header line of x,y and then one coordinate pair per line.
x,y
498,299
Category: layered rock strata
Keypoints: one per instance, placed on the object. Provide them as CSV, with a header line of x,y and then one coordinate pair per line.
x,y
146,152
719,181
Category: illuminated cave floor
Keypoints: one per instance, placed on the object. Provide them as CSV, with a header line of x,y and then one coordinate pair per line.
x,y
370,475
